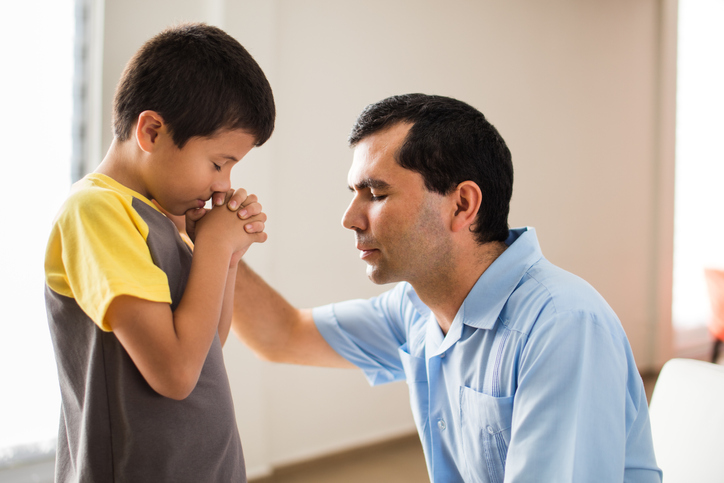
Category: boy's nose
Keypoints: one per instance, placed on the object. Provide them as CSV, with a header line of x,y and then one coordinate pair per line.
x,y
222,184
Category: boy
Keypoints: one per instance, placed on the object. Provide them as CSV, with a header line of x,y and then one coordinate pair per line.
x,y
138,323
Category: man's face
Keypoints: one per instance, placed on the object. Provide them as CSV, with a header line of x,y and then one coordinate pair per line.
x,y
399,225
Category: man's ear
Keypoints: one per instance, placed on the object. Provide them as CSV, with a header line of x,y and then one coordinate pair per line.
x,y
467,198
150,124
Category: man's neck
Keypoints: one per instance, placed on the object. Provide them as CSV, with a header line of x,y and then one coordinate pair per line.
x,y
445,292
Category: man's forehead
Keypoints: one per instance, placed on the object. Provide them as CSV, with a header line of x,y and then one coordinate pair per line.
x,y
374,160
371,170
388,140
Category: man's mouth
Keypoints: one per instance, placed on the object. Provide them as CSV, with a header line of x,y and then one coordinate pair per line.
x,y
366,251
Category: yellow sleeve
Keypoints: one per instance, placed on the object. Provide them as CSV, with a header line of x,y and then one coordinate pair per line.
x,y
97,251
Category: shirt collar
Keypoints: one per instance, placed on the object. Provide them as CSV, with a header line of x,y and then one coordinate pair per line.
x,y
492,290
420,307
483,304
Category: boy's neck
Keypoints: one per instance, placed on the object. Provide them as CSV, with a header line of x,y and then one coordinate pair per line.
x,y
123,164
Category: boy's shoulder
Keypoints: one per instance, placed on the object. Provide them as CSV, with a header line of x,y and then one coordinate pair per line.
x,y
97,188
97,195
99,247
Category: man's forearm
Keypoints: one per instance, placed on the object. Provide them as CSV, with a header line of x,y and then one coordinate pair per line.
x,y
262,318
228,305
274,329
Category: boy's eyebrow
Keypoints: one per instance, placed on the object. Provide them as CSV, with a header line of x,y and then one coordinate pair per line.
x,y
370,183
229,157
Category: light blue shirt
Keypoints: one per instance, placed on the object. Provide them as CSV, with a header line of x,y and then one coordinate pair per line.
x,y
534,382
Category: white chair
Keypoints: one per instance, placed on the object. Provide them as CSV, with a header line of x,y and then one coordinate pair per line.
x,y
687,421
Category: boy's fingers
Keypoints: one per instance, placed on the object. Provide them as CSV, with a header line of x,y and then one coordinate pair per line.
x,y
195,214
254,227
249,210
259,237
218,198
239,198
258,217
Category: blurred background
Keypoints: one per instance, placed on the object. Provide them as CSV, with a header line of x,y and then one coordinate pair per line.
x,y
612,111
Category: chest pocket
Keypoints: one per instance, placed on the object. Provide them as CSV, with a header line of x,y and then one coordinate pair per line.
x,y
417,382
486,422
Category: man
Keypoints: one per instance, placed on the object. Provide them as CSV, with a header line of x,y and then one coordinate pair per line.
x,y
517,370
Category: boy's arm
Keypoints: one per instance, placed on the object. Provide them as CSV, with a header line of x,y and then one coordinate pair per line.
x,y
253,208
247,208
170,348
274,329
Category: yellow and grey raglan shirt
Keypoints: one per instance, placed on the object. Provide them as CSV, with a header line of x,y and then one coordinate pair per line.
x,y
107,241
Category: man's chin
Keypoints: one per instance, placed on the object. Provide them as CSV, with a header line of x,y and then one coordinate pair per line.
x,y
378,276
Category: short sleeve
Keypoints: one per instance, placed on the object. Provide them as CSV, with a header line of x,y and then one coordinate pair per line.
x,y
368,333
97,251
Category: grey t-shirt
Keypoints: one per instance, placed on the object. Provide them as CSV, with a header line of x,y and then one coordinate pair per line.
x,y
113,426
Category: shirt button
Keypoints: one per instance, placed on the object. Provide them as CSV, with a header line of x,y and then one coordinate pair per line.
x,y
441,424
491,430
442,355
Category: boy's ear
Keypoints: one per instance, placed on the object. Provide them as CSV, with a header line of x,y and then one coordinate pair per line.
x,y
467,198
150,124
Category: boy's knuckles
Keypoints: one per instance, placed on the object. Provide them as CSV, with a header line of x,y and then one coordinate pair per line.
x,y
255,227
250,199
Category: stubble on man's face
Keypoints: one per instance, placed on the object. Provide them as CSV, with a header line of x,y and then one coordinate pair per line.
x,y
412,251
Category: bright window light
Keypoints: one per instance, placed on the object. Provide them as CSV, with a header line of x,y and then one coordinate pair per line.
x,y
36,43
699,230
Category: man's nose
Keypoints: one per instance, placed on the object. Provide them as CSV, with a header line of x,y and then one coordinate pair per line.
x,y
353,218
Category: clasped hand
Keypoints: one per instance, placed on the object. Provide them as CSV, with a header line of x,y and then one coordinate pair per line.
x,y
224,221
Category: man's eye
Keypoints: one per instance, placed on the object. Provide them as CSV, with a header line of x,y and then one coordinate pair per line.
x,y
374,197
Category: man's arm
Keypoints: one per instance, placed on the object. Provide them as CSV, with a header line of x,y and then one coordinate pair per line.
x,y
275,330
228,305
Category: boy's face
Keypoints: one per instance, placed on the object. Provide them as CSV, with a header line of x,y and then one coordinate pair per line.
x,y
184,179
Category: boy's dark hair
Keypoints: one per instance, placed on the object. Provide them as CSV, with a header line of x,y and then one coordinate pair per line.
x,y
449,142
200,80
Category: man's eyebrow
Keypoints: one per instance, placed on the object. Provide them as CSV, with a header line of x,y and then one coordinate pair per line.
x,y
370,183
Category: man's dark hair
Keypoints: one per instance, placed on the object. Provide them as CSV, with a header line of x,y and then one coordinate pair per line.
x,y
200,80
449,142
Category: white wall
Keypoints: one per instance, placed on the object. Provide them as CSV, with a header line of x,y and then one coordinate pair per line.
x,y
581,91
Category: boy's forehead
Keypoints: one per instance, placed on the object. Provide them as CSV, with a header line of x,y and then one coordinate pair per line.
x,y
229,140
230,133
